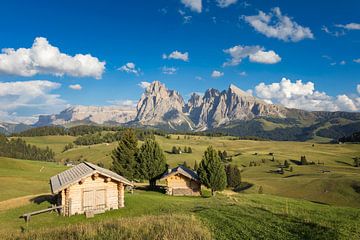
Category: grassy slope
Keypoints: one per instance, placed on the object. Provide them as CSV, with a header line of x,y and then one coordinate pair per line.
x,y
239,216
21,177
308,183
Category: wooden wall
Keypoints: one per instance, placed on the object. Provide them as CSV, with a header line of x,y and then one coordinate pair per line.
x,y
79,197
181,185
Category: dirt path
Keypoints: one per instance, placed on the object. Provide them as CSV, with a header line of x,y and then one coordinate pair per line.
x,y
17,202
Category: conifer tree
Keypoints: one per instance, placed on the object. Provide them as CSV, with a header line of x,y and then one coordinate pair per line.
x,y
196,166
151,161
233,175
124,155
189,150
211,171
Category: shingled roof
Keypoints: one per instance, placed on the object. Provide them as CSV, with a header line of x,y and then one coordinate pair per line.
x,y
80,171
183,171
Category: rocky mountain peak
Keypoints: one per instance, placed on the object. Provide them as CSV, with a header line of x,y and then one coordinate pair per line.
x,y
234,89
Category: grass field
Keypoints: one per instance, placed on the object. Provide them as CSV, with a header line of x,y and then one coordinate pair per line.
x,y
229,215
337,186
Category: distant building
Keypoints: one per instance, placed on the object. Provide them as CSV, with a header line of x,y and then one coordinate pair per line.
x,y
181,181
88,188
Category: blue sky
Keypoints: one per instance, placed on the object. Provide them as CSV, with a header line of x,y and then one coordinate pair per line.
x,y
273,45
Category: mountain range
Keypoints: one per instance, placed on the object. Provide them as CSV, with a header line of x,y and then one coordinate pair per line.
x,y
231,111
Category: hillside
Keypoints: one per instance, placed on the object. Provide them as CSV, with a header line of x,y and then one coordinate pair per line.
x,y
227,216
336,187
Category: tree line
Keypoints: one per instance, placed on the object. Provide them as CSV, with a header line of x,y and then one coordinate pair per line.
x,y
148,163
18,148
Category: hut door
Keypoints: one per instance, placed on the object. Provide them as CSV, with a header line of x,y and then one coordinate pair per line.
x,y
100,199
89,200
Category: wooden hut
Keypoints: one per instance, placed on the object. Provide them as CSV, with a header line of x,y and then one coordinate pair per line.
x,y
88,188
181,181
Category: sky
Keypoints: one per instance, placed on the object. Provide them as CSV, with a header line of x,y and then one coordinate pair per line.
x,y
301,54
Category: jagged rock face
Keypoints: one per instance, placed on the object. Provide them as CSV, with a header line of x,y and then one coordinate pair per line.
x,y
91,114
219,108
158,105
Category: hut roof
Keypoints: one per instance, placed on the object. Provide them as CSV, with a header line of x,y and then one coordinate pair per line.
x,y
82,170
183,171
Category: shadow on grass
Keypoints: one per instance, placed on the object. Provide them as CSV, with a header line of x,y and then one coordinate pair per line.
x,y
44,198
159,189
243,186
344,163
294,175
297,162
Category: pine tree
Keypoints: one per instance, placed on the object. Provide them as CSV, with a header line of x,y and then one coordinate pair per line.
x,y
196,166
233,175
211,171
185,149
185,164
189,150
303,160
174,150
179,150
151,161
124,155
286,164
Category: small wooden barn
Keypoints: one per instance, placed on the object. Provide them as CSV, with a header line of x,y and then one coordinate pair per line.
x,y
88,188
181,181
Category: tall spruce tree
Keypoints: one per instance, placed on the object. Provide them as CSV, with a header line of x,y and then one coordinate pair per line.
x,y
211,171
233,175
151,161
124,155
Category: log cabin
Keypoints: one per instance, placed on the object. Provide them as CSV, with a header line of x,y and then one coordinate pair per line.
x,y
88,188
181,181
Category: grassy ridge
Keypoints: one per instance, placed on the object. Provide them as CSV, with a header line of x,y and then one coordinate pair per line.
x,y
336,187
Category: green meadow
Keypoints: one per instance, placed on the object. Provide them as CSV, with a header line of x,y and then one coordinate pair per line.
x,y
320,201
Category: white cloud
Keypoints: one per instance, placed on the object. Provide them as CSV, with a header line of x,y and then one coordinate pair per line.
x,y
343,62
22,100
177,55
269,57
358,88
127,104
255,54
304,96
349,26
217,74
75,87
144,84
333,32
168,70
278,26
130,68
194,5
43,58
225,3
243,73
357,60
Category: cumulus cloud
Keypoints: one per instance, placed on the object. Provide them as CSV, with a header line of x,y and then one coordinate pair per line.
x,y
349,26
194,5
168,70
255,54
144,84
130,68
304,96
357,60
177,55
127,104
277,25
75,87
43,58
217,74
225,3
30,97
